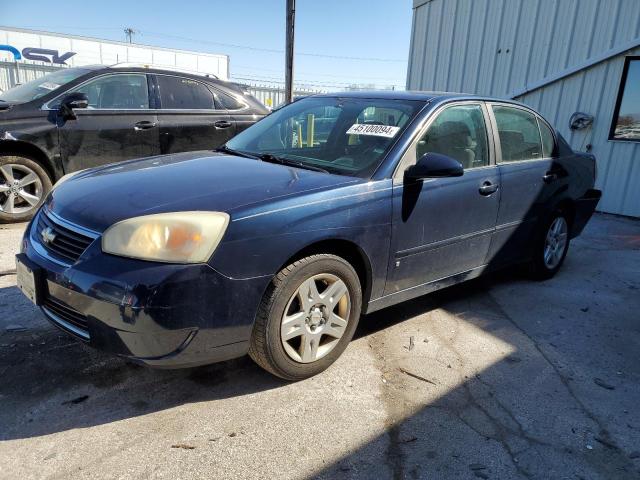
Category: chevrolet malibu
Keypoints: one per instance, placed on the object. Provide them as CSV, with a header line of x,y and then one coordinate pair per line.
x,y
275,244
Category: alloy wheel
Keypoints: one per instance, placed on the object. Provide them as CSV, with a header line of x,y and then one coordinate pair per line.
x,y
20,189
555,243
315,318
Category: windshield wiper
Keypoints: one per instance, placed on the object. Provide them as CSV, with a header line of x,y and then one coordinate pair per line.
x,y
225,149
268,157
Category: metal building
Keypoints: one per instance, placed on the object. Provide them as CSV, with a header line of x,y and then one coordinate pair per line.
x,y
28,54
560,57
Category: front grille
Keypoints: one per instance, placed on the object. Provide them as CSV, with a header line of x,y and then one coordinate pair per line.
x,y
63,243
66,317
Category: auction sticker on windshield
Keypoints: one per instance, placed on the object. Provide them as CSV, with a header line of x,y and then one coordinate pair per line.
x,y
387,131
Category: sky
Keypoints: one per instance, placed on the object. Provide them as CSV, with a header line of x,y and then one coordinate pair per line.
x,y
631,96
251,32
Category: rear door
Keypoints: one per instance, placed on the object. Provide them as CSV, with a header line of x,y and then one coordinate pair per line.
x,y
443,226
528,176
189,118
242,115
117,125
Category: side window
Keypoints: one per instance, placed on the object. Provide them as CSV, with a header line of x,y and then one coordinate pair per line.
x,y
458,132
548,143
519,134
228,102
184,93
120,91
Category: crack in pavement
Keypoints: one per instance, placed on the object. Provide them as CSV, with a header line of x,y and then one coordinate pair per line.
x,y
620,458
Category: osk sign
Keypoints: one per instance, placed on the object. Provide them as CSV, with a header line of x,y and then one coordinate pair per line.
x,y
38,54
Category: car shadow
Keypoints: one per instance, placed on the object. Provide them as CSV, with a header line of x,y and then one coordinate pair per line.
x,y
47,375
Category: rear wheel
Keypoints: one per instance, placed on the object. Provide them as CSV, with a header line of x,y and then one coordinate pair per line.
x,y
23,187
307,317
551,248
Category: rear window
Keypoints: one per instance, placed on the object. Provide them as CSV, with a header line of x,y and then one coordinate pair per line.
x,y
184,93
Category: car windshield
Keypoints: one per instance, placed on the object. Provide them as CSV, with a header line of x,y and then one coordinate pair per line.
x,y
41,86
347,136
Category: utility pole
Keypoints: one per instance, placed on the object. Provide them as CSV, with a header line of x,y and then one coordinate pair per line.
x,y
290,37
129,32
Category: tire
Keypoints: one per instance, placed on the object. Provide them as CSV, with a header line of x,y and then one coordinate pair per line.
x,y
552,244
288,329
19,201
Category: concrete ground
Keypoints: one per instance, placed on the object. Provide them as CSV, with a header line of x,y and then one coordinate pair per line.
x,y
500,378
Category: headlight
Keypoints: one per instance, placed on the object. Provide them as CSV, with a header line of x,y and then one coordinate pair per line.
x,y
180,237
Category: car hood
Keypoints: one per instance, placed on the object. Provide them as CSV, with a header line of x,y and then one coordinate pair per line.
x,y
206,181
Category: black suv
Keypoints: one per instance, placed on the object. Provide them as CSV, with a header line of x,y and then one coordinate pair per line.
x,y
78,118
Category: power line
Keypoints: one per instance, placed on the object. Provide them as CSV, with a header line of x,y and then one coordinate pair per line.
x,y
271,50
129,33
248,67
230,45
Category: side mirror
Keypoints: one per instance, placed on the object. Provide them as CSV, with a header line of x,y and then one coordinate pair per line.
x,y
434,165
71,102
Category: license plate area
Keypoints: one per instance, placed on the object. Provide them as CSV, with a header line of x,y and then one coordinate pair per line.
x,y
29,279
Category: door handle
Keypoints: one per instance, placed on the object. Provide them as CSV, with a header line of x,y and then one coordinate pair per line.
x,y
222,124
487,188
144,125
549,177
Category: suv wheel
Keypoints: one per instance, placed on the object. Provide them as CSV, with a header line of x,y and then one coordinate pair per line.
x,y
23,187
307,317
551,246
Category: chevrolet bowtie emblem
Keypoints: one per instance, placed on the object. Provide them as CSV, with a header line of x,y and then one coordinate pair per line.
x,y
48,235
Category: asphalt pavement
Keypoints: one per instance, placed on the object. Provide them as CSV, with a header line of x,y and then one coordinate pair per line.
x,y
498,378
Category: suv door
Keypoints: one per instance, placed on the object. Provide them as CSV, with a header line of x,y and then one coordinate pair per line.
x,y
117,125
443,226
189,118
528,178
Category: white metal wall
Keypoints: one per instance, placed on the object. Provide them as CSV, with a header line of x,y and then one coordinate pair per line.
x,y
104,52
506,47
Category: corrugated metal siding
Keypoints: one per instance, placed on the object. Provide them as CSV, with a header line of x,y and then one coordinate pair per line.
x,y
497,47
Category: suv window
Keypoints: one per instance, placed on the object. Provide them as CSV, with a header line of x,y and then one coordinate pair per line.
x,y
229,103
519,134
548,142
184,93
458,132
119,91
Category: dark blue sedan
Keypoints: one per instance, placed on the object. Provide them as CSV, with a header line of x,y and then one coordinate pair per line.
x,y
276,244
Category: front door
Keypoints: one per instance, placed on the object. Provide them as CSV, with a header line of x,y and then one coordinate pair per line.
x,y
443,226
116,126
189,118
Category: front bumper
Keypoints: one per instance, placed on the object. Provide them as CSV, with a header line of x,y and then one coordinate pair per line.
x,y
164,315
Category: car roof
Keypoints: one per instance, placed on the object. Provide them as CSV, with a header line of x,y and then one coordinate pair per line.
x,y
417,95
394,94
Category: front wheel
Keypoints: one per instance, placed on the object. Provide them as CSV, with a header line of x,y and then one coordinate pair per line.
x,y
307,317
23,187
551,247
